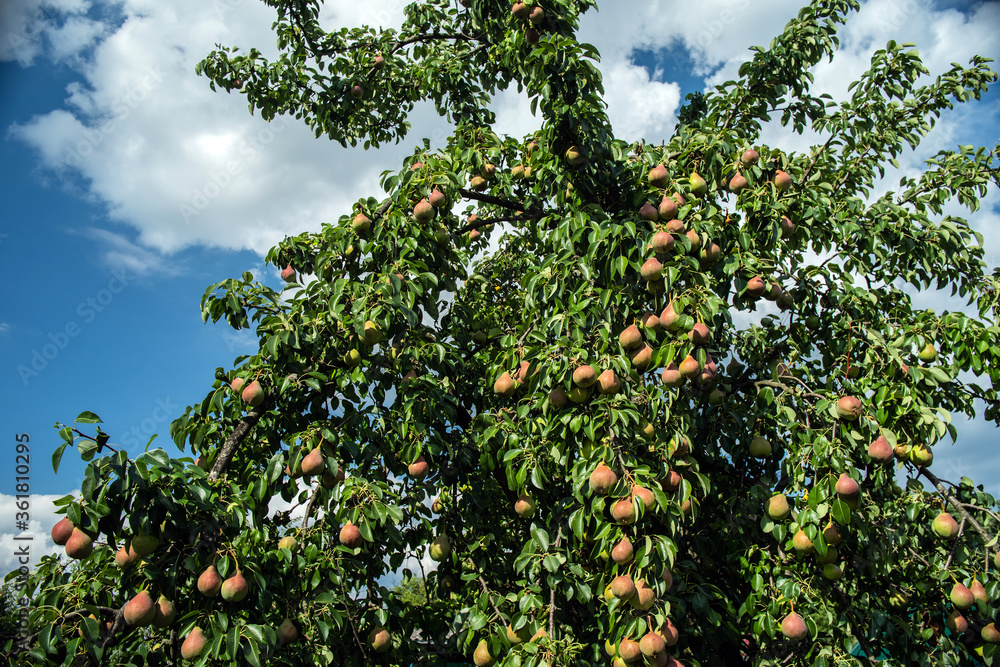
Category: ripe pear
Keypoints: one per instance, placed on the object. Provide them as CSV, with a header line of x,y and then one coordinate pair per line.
x,y
672,481
645,496
608,382
352,358
62,531
737,182
520,11
689,367
440,548
961,596
801,542
357,91
253,394
194,644
880,450
759,447
481,656
525,506
644,596
668,208
832,535
235,588
539,635
477,183
558,397
928,353
672,376
585,376
423,211
756,287
419,468
945,526
782,181
126,557
288,542
504,385
209,582
379,640
990,634
658,176
979,592
630,338
602,479
650,321
676,227
373,333
141,610
287,632
793,627
846,487
623,512
623,552
361,223
648,212
574,157
786,226
537,15
519,636
651,270
956,622
652,645
622,587
669,318
698,185
288,274
531,36
700,334
437,198
350,536
749,157
79,545
695,239
668,580
849,408
313,463
166,612
628,650
777,507
710,254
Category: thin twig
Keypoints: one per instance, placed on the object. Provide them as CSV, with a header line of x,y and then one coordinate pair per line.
x,y
482,582
552,595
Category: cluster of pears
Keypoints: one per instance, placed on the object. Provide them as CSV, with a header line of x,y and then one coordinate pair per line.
x,y
252,393
79,544
603,478
532,16
674,374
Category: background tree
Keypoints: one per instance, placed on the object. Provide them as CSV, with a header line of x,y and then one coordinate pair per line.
x,y
550,365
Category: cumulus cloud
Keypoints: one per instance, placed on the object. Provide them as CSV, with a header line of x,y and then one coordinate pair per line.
x,y
35,538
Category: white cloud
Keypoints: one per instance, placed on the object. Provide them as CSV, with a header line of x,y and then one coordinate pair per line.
x,y
28,26
35,539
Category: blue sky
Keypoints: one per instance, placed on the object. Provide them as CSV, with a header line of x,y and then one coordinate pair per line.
x,y
107,137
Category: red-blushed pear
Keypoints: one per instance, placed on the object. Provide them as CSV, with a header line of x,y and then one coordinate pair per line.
x,y
676,227
520,11
695,239
623,512
288,274
209,582
379,640
760,448
126,557
194,644
710,254
313,463
668,580
782,181
849,408
140,610
648,212
539,635
793,627
802,543
996,560
79,545
481,656
423,211
658,176
523,373
645,496
419,468
585,376
737,182
558,397
652,645
357,91
630,338
650,321
700,334
504,385
749,157
672,481
777,507
945,526
602,479
880,450
956,622
237,384
440,548
524,507
662,242
786,226
670,318
361,223
668,208
628,650
623,552
671,376
350,536
756,287
437,198
608,382
62,531
644,597
961,596
990,634
641,358
668,631
287,632
235,588
689,367
622,587
166,612
651,270
846,487
979,591
253,394
537,15
379,62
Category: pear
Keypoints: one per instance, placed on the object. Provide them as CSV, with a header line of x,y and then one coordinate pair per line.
x,y
79,545
372,333
710,254
520,11
961,596
440,548
313,463
651,270
645,497
504,385
525,506
832,535
756,287
537,15
700,334
623,512
481,656
352,358
423,211
676,227
846,487
830,556
350,536
630,338
737,182
928,353
585,376
419,468
574,157
990,634
921,455
477,183
628,650
786,226
782,181
539,635
672,376
235,588
777,507
357,91
832,572
361,223
602,479
141,610
648,212
759,447
956,622
608,382
880,450
288,274
193,644
166,612
641,358
126,557
801,542
579,394
698,185
849,408
979,592
668,208
622,587
288,542
793,627
749,157
658,176
623,552
668,580
287,632
558,397
649,320
437,198
669,318
379,640
695,239
689,367
644,596
519,636
662,242
945,526
531,36
209,582
253,394
652,645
